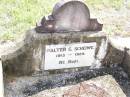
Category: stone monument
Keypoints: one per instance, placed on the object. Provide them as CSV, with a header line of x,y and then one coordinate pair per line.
x,y
69,40
66,48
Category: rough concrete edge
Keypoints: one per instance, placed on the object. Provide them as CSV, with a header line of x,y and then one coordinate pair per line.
x,y
122,44
119,42
101,54
8,51
1,80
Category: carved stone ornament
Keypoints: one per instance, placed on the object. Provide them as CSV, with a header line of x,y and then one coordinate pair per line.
x,y
69,16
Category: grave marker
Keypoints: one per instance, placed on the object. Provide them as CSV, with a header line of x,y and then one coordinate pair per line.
x,y
69,55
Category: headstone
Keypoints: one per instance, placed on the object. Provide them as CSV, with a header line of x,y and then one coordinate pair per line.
x,y
69,55
69,16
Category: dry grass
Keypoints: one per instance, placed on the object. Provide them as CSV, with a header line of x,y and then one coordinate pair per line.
x,y
17,16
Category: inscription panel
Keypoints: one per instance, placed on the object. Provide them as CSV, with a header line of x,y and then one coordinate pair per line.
x,y
69,55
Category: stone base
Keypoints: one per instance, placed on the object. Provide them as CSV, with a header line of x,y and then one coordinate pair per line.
x,y
122,44
27,55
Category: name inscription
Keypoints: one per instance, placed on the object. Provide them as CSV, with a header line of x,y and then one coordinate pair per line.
x,y
69,55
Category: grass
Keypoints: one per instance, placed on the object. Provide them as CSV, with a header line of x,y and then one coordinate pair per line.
x,y
17,16
117,4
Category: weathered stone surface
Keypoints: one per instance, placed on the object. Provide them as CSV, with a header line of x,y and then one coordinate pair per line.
x,y
24,86
69,16
126,61
114,56
103,86
27,55
1,80
122,44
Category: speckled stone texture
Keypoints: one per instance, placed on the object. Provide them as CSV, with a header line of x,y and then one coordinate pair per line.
x,y
103,86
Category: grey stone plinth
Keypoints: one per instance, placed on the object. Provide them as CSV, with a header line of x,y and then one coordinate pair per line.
x,y
26,56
